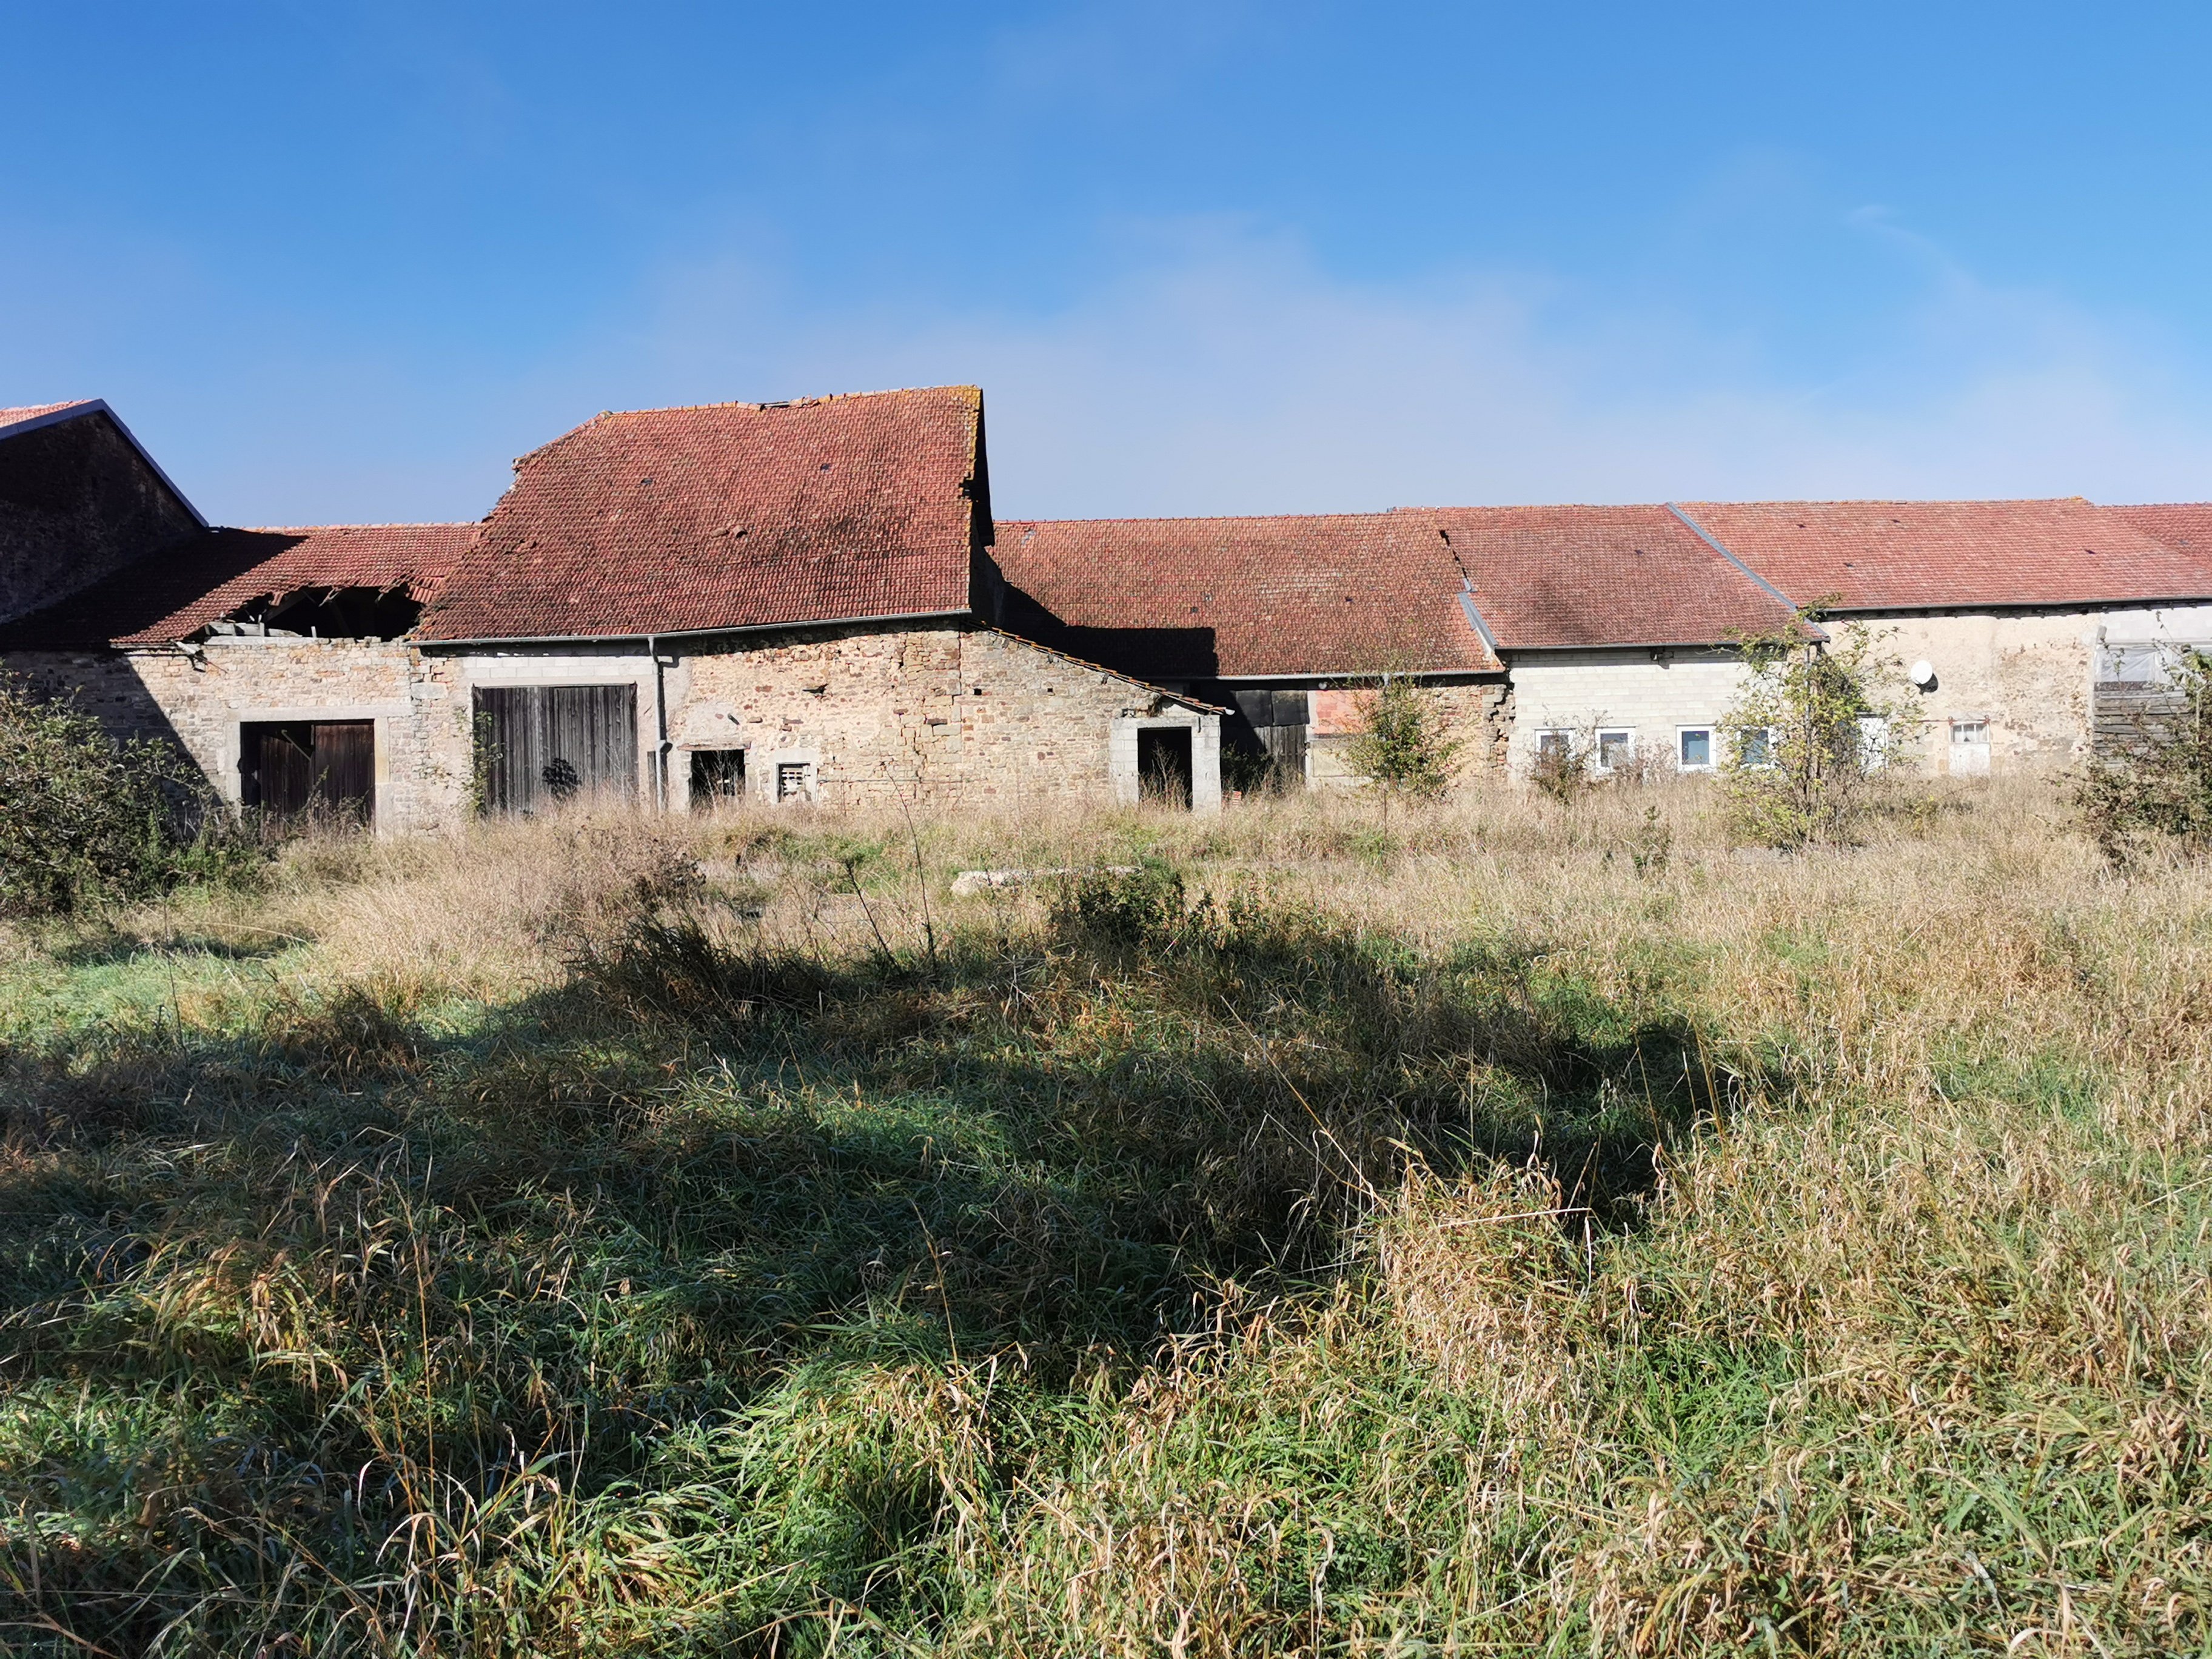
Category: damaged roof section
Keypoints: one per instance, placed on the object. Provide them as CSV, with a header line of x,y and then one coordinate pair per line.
x,y
255,577
732,516
1930,555
1243,598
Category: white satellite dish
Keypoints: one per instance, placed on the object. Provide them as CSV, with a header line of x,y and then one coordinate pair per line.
x,y
1923,673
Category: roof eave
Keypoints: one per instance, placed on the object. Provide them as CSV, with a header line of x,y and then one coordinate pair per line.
x,y
428,641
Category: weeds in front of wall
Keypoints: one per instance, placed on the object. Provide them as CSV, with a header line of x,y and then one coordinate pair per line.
x,y
1279,1249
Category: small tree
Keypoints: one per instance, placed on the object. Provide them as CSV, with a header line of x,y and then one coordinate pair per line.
x,y
1404,748
2157,786
84,817
1812,723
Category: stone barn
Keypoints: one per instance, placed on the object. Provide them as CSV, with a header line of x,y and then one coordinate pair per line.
x,y
1280,621
786,602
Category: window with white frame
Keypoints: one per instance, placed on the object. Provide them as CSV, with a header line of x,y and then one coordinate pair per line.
x,y
1873,743
1693,747
1970,746
1615,750
1754,746
1555,748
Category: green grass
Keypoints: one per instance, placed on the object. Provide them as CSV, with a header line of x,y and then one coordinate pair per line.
x,y
1185,1268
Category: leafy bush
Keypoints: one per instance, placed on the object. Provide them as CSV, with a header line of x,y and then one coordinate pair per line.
x,y
1404,749
1146,905
85,818
1809,730
2158,787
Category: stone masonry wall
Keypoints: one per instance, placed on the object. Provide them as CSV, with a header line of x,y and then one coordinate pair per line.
x,y
422,750
76,502
2029,678
934,713
971,713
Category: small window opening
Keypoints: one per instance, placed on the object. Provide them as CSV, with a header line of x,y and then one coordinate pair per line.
x,y
1754,746
1556,747
1695,753
792,780
1968,732
1615,750
718,778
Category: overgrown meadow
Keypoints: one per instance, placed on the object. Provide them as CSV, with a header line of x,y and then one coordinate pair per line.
x,y
1512,1228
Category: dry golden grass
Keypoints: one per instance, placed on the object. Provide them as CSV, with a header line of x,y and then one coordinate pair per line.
x,y
1899,1345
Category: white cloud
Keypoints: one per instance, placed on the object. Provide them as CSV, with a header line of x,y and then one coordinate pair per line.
x,y
1222,372
1210,369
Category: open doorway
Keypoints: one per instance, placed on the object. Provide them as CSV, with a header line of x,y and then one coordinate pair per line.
x,y
309,768
1164,764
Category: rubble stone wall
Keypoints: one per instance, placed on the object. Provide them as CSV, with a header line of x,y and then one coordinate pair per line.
x,y
930,714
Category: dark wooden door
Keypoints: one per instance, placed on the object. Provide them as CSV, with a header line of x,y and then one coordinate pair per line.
x,y
294,768
540,745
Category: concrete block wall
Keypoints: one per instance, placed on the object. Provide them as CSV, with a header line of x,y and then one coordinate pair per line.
x,y
1652,696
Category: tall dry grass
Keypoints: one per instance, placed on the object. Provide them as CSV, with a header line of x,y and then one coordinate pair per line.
x,y
1511,1228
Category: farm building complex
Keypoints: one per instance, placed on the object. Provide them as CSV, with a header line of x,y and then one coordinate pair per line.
x,y
812,601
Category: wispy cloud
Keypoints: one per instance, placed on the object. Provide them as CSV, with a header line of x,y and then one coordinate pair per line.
x,y
1220,370
1212,368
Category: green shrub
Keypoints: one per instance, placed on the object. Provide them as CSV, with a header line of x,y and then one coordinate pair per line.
x,y
1404,748
85,818
1809,730
2158,788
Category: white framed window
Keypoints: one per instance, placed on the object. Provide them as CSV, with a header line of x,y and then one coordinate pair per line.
x,y
1970,746
1615,748
1754,746
1556,747
1693,747
1873,743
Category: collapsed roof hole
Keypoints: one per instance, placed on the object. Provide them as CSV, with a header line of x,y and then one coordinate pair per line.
x,y
329,613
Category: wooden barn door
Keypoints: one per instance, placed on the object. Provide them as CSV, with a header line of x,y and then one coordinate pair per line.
x,y
289,768
540,745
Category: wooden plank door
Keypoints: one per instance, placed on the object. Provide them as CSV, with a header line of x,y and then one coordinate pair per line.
x,y
538,746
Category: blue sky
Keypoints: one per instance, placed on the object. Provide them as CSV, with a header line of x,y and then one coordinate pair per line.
x,y
344,262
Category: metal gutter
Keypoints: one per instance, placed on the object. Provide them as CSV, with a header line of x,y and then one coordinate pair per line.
x,y
699,633
1350,674
1708,538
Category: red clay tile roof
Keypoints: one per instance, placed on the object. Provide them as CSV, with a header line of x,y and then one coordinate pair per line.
x,y
732,515
24,412
1549,578
1906,556
170,596
2185,526
1201,598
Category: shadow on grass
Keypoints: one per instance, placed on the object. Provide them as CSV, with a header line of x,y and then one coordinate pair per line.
x,y
637,1203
